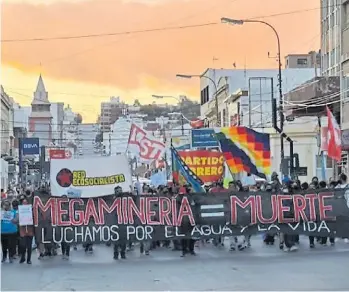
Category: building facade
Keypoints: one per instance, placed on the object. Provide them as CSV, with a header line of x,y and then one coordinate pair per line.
x,y
110,112
345,65
4,176
310,60
69,117
86,140
7,117
40,118
330,37
254,107
57,112
304,131
335,57
335,48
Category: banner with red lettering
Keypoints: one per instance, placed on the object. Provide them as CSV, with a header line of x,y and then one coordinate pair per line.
x,y
144,145
206,164
124,217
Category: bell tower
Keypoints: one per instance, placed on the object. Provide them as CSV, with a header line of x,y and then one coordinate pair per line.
x,y
40,119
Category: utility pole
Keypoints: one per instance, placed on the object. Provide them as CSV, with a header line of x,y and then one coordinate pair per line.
x,y
282,134
20,160
281,101
182,124
109,144
281,108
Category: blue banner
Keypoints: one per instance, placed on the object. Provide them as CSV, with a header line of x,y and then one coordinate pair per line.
x,y
203,138
158,179
30,146
179,166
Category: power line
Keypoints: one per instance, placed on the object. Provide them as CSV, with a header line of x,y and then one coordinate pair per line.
x,y
157,29
93,95
56,93
122,40
110,34
293,12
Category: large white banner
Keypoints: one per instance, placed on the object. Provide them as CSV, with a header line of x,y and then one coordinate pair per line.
x,y
91,177
144,145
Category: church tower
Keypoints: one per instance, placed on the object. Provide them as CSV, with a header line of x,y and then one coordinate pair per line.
x,y
40,119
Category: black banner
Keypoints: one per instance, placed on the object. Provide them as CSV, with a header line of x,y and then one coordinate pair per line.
x,y
139,218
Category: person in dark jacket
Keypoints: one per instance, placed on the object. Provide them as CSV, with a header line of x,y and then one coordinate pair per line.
x,y
188,245
289,239
15,204
269,238
65,246
119,246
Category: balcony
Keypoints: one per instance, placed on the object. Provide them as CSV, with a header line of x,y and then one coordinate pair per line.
x,y
319,90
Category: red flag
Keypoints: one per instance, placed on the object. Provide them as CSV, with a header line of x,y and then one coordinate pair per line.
x,y
334,150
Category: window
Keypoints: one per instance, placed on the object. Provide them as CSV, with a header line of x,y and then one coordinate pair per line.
x,y
302,61
332,56
331,5
328,162
219,120
204,95
225,118
345,87
324,8
332,20
345,20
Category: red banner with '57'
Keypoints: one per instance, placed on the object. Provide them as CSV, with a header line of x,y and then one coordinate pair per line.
x,y
207,165
144,145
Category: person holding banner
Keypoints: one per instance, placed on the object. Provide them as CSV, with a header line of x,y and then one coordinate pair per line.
x,y
9,229
26,231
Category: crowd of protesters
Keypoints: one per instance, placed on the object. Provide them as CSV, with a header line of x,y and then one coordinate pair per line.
x,y
17,241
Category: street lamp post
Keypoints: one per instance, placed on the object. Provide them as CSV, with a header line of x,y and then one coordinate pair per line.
x,y
215,94
281,113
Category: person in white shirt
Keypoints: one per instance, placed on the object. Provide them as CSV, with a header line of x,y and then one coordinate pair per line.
x,y
343,182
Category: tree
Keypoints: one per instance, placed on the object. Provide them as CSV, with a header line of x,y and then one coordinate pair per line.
x,y
78,119
136,103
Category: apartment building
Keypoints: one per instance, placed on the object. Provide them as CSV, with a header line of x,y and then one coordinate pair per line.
x,y
6,133
254,108
110,111
335,55
310,60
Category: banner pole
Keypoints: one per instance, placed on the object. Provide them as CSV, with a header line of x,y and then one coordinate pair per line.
x,y
172,161
225,161
129,136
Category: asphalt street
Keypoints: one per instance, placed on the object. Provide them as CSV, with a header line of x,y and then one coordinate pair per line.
x,y
258,268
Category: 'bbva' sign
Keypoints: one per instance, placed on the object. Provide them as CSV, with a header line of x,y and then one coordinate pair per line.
x,y
30,146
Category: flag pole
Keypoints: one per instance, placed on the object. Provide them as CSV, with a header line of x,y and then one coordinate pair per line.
x,y
129,136
225,161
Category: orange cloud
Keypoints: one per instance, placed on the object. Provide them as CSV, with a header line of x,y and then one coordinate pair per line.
x,y
150,61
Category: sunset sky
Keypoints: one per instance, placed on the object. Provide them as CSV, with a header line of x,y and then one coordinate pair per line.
x,y
84,72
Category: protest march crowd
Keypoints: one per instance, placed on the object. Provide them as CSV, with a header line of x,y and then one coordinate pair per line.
x,y
96,201
19,241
